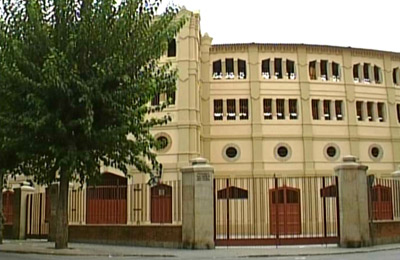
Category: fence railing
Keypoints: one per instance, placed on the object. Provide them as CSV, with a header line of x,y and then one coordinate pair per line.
x,y
384,199
262,210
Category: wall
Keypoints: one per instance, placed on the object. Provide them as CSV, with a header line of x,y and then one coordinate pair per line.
x,y
156,236
385,232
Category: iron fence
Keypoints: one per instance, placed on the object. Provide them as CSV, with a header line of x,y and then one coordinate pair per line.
x,y
384,199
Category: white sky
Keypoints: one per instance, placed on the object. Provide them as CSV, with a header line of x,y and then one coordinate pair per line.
x,y
370,24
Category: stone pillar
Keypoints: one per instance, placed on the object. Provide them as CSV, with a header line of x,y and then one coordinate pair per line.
x,y
353,203
53,195
19,210
197,205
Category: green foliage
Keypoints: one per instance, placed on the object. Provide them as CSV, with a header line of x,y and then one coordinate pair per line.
x,y
76,78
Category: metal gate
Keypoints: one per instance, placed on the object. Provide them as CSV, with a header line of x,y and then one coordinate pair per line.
x,y
36,225
276,211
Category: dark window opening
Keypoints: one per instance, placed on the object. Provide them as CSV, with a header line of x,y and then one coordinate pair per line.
x,y
315,109
359,108
171,48
278,68
381,109
396,76
217,69
339,110
231,152
312,70
156,100
218,109
331,151
290,69
283,151
293,108
375,152
324,69
242,69
243,109
232,192
335,71
229,69
171,98
265,70
162,142
356,75
398,112
280,109
370,111
267,108
377,75
366,72
327,109
231,109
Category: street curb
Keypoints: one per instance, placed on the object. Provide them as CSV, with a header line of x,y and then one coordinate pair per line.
x,y
25,252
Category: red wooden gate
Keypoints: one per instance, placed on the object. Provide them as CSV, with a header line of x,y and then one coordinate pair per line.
x,y
382,208
8,200
161,204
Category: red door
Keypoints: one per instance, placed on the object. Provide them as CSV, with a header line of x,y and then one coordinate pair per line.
x,y
382,207
285,211
161,204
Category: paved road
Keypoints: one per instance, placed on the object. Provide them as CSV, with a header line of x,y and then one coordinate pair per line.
x,y
383,255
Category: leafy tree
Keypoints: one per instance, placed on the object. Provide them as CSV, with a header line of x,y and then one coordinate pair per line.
x,y
76,78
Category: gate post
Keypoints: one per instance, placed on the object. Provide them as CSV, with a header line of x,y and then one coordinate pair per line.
x,y
197,204
20,210
353,203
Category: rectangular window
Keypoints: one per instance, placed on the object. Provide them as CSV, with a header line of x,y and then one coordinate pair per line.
x,y
339,109
366,72
218,109
268,108
359,108
231,109
356,75
278,68
243,109
398,112
327,109
172,48
171,98
315,109
217,69
312,70
396,76
156,100
377,75
324,69
280,109
370,111
381,111
265,70
242,69
293,108
290,69
335,71
229,66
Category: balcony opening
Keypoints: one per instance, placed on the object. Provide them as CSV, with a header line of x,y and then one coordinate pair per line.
x,y
242,69
265,70
366,73
293,108
217,69
396,76
156,100
335,71
243,109
290,69
370,111
359,109
229,69
171,98
356,74
231,109
280,109
218,109
339,109
377,75
327,109
171,48
315,109
324,70
312,70
267,108
278,68
381,112
398,112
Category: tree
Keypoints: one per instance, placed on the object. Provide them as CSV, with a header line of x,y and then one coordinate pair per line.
x,y
76,78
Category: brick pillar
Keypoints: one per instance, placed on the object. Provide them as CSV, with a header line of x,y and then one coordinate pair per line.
x,y
197,205
19,211
353,203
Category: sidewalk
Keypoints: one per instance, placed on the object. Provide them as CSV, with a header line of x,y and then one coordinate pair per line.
x,y
77,249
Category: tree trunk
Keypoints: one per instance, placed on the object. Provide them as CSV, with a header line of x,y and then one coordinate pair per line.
x,y
1,207
62,212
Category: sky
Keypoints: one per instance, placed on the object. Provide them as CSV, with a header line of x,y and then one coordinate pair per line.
x,y
369,24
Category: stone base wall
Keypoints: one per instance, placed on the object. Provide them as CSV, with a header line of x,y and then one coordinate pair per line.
x,y
385,232
153,236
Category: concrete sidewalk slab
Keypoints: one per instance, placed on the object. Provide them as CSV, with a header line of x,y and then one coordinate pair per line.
x,y
78,249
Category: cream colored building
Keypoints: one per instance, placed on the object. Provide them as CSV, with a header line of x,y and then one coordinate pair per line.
x,y
284,109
